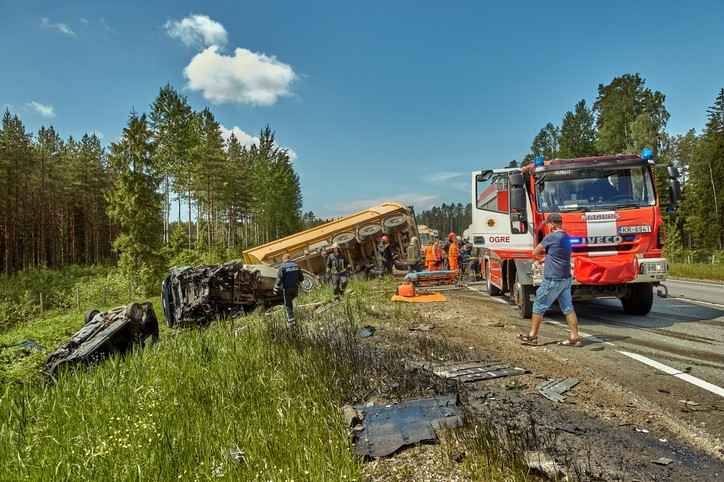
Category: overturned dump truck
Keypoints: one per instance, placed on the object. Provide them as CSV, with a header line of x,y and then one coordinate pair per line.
x,y
357,235
104,334
199,295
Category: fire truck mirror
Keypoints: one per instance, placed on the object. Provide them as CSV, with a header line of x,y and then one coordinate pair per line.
x,y
517,199
516,179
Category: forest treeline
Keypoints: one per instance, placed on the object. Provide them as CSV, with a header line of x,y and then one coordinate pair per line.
x,y
628,116
71,201
447,218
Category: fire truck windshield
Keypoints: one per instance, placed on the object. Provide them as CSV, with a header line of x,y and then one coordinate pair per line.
x,y
595,189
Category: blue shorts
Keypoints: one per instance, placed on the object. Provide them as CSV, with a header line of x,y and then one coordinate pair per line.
x,y
551,290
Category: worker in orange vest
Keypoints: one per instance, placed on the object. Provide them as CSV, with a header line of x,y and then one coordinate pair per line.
x,y
436,256
429,258
452,254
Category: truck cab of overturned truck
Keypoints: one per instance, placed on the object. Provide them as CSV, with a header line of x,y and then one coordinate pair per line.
x,y
610,210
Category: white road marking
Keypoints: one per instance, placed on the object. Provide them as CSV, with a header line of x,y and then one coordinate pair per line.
x,y
717,390
676,373
698,283
494,298
689,300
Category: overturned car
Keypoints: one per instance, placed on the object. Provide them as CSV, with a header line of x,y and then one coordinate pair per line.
x,y
104,334
197,296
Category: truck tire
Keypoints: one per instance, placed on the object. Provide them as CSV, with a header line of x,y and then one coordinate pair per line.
x,y
522,296
492,289
639,299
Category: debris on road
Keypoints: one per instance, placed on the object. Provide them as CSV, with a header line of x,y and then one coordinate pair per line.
x,y
662,461
366,331
422,327
596,348
473,371
554,389
543,464
389,428
114,331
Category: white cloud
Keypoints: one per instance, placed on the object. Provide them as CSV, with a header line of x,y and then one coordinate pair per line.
x,y
45,110
60,27
249,140
419,201
197,30
245,77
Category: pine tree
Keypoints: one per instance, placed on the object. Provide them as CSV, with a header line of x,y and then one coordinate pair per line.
x,y
578,133
545,143
628,114
135,205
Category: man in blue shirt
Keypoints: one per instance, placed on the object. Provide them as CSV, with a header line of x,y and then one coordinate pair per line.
x,y
556,283
289,277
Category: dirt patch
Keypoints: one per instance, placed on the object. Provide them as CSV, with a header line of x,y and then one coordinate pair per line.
x,y
602,432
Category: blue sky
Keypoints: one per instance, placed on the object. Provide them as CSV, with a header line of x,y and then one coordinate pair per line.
x,y
378,100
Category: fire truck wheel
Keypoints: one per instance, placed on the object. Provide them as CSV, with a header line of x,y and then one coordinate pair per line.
x,y
639,300
492,289
522,300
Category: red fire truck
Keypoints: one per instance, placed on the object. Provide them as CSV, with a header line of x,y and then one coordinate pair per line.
x,y
610,209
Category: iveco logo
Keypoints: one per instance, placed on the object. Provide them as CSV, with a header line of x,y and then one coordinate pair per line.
x,y
589,240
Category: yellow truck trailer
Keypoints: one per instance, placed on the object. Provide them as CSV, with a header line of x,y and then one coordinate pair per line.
x,y
357,235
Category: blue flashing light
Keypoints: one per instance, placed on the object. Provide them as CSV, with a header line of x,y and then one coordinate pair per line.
x,y
539,161
575,240
647,153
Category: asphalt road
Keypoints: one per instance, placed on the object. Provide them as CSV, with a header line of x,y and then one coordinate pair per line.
x,y
696,290
673,354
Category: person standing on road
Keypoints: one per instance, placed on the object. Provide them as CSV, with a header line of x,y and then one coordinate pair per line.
x,y
556,283
413,255
452,252
388,256
289,277
337,268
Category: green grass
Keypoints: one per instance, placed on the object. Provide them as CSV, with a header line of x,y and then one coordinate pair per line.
x,y
697,271
172,412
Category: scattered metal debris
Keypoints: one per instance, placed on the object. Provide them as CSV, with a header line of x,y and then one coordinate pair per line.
x,y
422,327
237,455
389,428
351,416
689,403
544,464
470,371
107,333
662,461
366,331
641,430
554,389
199,295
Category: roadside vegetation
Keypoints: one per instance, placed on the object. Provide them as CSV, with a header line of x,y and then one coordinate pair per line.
x,y
244,399
699,271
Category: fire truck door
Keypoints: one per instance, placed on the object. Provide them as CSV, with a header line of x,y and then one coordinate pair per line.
x,y
499,222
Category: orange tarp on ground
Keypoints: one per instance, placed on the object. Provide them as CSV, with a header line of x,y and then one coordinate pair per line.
x,y
431,298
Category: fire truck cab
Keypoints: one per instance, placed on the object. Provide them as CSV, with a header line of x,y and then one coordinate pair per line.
x,y
610,210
